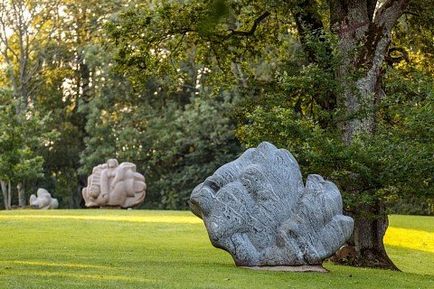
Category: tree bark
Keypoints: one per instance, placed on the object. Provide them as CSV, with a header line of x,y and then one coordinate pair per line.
x,y
6,195
370,226
9,195
21,195
366,246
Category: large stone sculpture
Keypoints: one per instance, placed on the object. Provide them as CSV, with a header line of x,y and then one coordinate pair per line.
x,y
115,185
43,200
258,209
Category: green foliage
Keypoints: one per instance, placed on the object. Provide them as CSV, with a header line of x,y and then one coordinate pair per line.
x,y
175,148
175,59
180,83
187,145
406,138
410,205
393,164
177,39
317,150
21,135
74,71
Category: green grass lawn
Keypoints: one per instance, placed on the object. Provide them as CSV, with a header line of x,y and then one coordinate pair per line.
x,y
170,249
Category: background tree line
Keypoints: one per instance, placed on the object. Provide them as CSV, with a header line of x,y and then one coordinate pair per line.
x,y
181,87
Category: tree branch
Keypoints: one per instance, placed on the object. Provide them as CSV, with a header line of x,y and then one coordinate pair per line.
x,y
378,34
387,15
252,29
370,5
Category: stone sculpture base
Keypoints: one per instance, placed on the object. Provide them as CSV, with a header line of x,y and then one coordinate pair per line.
x,y
302,268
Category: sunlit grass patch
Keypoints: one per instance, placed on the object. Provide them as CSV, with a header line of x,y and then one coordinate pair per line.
x,y
412,239
410,243
53,264
173,219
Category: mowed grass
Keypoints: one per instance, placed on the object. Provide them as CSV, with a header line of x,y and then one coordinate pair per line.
x,y
170,249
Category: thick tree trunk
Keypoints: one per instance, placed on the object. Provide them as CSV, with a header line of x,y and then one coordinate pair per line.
x,y
364,37
370,226
366,247
21,195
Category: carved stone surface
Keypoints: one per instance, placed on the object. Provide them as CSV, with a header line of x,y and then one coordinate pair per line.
x,y
115,185
258,209
43,200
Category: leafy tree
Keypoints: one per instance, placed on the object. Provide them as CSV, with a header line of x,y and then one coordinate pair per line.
x,y
20,138
21,24
21,48
74,72
356,147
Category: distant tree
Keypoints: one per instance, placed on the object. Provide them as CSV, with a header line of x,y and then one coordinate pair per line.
x,y
24,30
22,22
53,61
84,64
163,113
20,138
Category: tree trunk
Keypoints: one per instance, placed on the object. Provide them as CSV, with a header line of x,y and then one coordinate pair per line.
x,y
364,36
366,247
77,200
370,226
6,195
21,195
363,28
9,195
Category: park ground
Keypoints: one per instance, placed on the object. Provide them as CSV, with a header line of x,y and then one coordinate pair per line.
x,y
170,249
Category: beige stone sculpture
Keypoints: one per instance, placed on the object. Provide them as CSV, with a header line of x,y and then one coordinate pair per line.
x,y
114,185
43,200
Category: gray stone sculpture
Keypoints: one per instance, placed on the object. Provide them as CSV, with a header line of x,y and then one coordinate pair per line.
x,y
258,209
115,185
43,200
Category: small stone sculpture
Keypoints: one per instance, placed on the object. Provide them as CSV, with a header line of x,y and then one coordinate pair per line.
x,y
114,185
258,209
43,200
